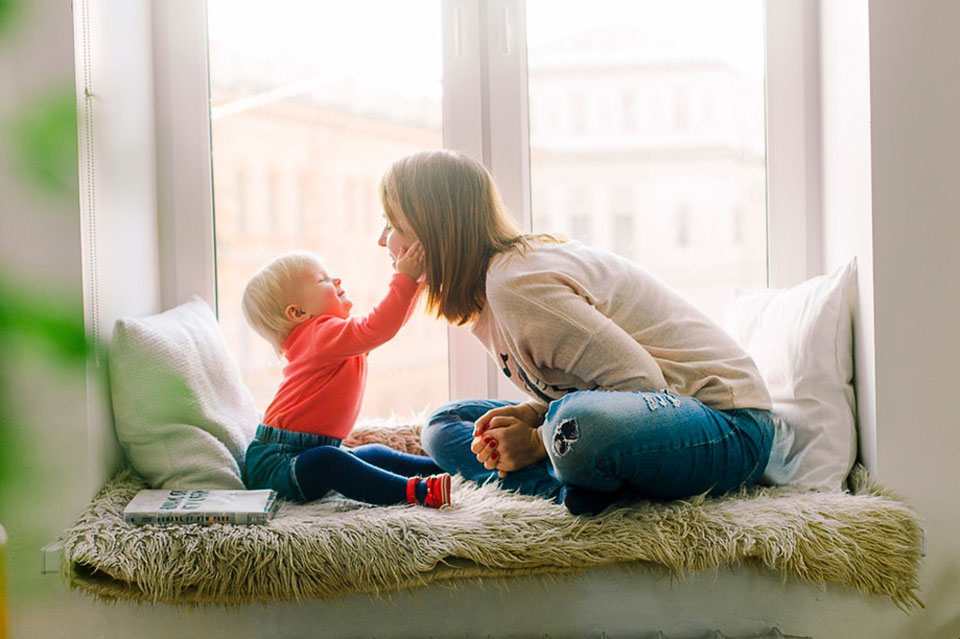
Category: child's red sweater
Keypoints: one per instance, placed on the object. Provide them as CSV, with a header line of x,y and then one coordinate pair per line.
x,y
323,382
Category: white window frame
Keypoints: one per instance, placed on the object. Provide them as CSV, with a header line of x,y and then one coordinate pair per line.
x,y
469,367
485,85
794,165
184,163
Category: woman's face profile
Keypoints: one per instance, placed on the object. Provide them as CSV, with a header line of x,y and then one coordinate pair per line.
x,y
397,239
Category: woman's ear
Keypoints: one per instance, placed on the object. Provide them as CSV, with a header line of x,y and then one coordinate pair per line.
x,y
295,314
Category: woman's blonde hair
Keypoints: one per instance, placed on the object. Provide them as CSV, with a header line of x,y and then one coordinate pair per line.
x,y
270,291
451,203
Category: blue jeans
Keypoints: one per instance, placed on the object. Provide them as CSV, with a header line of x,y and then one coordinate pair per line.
x,y
302,467
657,445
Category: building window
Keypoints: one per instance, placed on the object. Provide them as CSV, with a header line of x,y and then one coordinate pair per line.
x,y
272,201
303,189
628,112
737,224
623,226
543,220
350,209
623,233
579,214
681,109
578,114
682,218
240,203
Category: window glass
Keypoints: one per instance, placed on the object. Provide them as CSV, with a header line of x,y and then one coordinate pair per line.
x,y
310,103
648,117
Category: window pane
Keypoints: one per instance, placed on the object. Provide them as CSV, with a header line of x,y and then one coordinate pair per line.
x,y
310,103
646,136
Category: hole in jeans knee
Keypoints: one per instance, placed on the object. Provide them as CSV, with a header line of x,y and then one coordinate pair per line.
x,y
566,434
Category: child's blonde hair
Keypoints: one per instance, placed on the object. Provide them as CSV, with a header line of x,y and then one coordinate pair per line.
x,y
270,291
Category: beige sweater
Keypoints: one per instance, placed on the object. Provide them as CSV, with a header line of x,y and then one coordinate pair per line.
x,y
567,317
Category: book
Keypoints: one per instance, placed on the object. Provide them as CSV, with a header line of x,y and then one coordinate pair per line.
x,y
203,507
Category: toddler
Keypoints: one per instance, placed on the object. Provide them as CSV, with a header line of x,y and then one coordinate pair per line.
x,y
305,314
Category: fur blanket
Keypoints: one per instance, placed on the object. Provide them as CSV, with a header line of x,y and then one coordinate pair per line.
x,y
868,540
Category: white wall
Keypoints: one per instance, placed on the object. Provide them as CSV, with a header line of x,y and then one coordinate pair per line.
x,y
177,29
915,139
890,95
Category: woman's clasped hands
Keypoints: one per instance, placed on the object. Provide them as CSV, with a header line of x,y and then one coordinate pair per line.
x,y
508,438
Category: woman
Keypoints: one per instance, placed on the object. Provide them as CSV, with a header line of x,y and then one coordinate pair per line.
x,y
633,390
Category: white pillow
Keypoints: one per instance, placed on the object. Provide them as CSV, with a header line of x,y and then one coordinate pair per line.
x,y
182,413
801,338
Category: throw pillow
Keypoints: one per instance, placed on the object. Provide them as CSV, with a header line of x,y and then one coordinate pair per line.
x,y
801,339
182,413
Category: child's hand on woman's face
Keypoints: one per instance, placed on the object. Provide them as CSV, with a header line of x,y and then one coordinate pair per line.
x,y
410,261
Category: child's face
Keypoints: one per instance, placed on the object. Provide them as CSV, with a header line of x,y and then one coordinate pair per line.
x,y
320,294
397,238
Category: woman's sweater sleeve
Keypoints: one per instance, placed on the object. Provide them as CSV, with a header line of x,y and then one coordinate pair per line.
x,y
558,329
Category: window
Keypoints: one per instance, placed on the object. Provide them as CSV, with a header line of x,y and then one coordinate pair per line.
x,y
323,98
481,60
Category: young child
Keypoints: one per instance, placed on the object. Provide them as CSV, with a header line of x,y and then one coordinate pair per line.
x,y
304,313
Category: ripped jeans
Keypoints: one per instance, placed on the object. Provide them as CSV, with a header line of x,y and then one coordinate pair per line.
x,y
656,445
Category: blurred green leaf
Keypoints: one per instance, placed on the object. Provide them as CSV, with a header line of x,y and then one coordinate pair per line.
x,y
8,12
44,139
46,321
38,321
13,464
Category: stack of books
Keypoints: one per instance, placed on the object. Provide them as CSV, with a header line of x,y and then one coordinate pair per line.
x,y
203,507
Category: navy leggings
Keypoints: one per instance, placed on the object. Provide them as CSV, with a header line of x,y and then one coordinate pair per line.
x,y
372,473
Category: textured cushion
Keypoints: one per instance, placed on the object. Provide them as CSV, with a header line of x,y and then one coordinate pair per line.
x,y
182,413
802,341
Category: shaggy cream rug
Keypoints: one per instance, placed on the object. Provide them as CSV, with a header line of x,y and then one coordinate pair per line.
x,y
868,540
